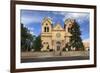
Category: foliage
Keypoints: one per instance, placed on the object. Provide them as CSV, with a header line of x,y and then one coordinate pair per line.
x,y
75,39
37,43
27,39
66,46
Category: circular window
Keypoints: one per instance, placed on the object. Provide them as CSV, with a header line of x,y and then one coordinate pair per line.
x,y
58,35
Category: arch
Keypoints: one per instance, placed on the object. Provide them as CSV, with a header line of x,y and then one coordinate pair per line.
x,y
47,29
44,29
58,45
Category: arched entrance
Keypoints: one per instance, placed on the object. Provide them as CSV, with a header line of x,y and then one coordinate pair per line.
x,y
58,48
58,45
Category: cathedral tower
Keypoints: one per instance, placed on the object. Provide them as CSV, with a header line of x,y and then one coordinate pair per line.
x,y
68,24
46,25
46,34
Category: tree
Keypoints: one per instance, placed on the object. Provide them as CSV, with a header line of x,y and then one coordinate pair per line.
x,y
66,46
37,43
23,37
27,39
75,39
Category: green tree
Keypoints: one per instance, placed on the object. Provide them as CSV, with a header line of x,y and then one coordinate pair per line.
x,y
37,43
27,39
23,37
75,39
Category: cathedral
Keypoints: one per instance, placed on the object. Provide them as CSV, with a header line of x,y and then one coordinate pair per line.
x,y
55,37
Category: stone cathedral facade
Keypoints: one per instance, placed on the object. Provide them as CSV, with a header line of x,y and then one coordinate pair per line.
x,y
55,37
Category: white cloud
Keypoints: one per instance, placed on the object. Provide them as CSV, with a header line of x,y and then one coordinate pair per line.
x,y
31,32
75,15
31,28
29,19
80,17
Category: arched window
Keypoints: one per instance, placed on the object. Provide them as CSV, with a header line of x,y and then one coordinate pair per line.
x,y
47,29
44,29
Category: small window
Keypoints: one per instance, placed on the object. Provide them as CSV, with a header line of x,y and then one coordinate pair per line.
x,y
47,29
44,29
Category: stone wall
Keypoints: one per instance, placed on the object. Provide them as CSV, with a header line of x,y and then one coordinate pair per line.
x,y
76,53
52,54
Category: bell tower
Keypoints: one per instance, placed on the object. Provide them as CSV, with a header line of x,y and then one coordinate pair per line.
x,y
46,25
68,24
46,34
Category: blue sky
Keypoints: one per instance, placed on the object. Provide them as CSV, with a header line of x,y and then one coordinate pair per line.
x,y
32,20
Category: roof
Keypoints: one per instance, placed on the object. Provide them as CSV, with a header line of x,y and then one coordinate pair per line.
x,y
47,19
58,27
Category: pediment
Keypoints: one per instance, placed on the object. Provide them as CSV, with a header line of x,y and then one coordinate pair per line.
x,y
57,27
